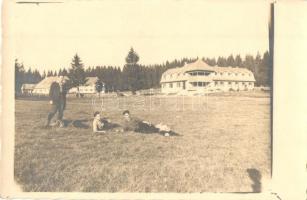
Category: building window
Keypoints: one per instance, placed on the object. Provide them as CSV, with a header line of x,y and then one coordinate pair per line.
x,y
250,83
229,83
221,74
171,85
236,74
229,74
200,73
199,84
178,84
216,83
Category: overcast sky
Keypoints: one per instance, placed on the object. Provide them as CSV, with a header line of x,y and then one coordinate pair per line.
x,y
102,32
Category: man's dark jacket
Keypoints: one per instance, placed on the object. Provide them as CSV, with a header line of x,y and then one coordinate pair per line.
x,y
57,96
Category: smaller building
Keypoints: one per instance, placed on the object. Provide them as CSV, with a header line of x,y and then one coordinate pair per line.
x,y
27,88
43,87
88,88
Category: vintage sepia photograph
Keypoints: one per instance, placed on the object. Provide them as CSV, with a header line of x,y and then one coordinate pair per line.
x,y
142,96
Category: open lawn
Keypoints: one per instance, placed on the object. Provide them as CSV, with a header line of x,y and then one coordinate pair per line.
x,y
224,145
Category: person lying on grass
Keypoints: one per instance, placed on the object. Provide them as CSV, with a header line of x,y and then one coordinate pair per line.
x,y
140,126
98,125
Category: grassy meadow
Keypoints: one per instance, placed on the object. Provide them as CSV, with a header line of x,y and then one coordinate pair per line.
x,y
222,137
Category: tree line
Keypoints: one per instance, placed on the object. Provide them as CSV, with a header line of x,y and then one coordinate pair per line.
x,y
134,76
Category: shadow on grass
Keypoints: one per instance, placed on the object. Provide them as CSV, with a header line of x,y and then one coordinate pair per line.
x,y
67,122
255,176
81,123
84,124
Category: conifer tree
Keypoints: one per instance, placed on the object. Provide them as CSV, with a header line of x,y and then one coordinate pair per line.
x,y
132,71
76,73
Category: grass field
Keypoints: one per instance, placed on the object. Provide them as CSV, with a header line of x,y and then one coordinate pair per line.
x,y
223,137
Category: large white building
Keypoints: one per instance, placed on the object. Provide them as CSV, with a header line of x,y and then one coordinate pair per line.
x,y
199,77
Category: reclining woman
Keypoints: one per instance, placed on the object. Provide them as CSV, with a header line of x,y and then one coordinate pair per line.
x,y
98,125
139,126
101,125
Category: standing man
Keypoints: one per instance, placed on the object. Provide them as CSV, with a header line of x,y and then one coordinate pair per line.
x,y
57,95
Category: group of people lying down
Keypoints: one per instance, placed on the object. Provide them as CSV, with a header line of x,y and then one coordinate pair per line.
x,y
57,100
132,124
